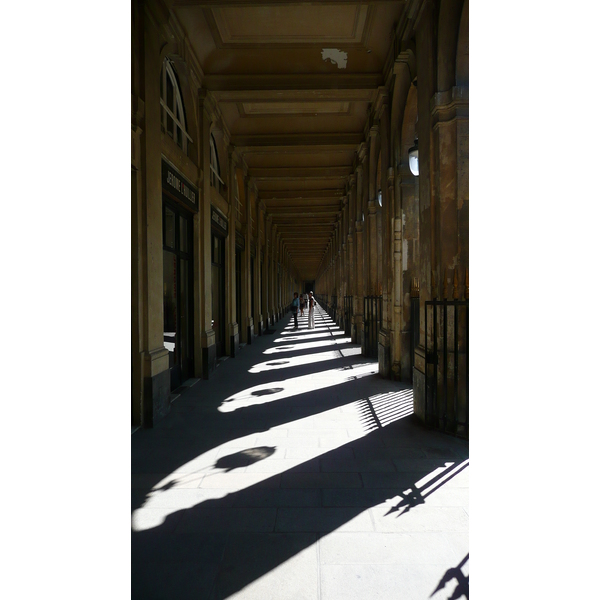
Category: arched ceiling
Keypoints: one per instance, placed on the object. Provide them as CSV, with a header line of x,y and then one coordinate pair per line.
x,y
293,82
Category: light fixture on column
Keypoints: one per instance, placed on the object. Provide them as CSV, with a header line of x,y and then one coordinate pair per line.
x,y
413,158
379,198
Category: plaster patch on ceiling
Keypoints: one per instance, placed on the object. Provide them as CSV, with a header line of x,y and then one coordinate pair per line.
x,y
337,57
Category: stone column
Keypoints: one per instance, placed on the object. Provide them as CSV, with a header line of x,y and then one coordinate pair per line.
x,y
258,288
232,343
359,257
450,120
205,343
351,250
385,334
267,271
152,384
372,209
428,265
405,223
248,320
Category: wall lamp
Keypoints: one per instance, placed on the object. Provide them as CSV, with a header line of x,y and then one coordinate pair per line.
x,y
413,158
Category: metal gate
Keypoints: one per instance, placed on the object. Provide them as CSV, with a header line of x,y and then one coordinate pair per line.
x,y
447,366
372,324
347,314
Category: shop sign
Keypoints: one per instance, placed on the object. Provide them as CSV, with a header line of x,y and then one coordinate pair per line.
x,y
219,222
177,186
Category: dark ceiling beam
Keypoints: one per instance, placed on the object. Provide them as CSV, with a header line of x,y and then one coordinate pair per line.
x,y
363,94
328,194
281,172
296,82
282,143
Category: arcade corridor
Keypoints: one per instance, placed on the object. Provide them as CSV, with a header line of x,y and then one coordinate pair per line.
x,y
298,472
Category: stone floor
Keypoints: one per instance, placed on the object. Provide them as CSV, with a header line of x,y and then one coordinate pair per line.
x,y
296,472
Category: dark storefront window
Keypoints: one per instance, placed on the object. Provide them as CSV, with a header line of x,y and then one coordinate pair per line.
x,y
177,292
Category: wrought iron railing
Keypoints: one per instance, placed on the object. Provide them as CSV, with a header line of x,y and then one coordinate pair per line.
x,y
447,365
372,324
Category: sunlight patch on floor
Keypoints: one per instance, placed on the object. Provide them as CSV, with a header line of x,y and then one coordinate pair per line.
x,y
273,391
308,336
307,345
307,359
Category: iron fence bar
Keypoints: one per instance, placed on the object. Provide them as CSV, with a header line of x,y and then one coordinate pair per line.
x,y
445,364
456,366
426,364
435,358
467,370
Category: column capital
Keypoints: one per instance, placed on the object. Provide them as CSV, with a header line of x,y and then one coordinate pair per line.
x,y
262,206
374,131
362,153
344,200
352,179
406,62
383,97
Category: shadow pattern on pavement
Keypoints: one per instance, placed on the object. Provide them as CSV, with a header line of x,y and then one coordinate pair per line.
x,y
220,545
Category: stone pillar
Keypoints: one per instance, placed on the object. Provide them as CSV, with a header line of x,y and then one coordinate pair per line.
x,y
372,286
248,319
232,343
258,288
205,343
359,260
450,120
267,271
428,265
351,250
385,334
152,383
405,229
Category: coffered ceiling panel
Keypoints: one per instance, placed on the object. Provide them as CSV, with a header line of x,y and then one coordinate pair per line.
x,y
288,24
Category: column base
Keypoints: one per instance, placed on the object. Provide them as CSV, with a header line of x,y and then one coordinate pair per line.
x,y
234,340
383,353
157,387
419,384
208,353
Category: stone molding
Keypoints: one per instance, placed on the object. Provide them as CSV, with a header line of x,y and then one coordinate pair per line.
x,y
449,105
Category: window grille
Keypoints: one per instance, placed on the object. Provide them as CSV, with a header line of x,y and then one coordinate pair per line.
x,y
173,113
215,172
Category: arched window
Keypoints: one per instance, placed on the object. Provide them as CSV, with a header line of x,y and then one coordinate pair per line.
x,y
173,113
215,172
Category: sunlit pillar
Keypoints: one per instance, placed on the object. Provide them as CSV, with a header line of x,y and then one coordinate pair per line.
x,y
351,250
359,253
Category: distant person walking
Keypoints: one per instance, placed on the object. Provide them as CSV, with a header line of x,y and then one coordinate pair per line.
x,y
294,308
311,311
301,305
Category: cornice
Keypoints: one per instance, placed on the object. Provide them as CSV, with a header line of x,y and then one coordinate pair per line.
x,y
383,98
449,105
